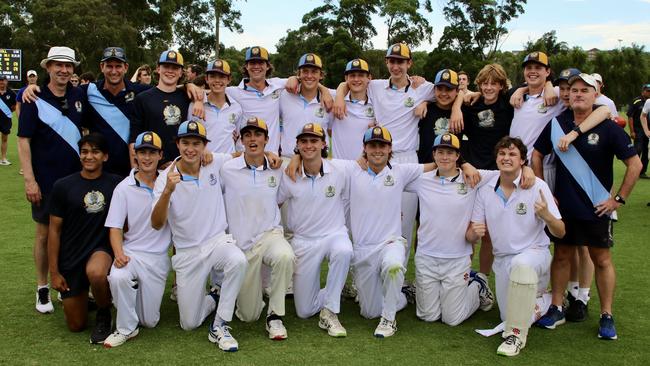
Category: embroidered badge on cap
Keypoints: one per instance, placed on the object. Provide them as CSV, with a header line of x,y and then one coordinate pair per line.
x,y
255,51
147,138
396,48
355,63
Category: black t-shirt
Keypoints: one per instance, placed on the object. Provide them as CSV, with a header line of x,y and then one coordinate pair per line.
x,y
9,98
160,112
435,123
118,150
634,110
83,205
485,125
597,147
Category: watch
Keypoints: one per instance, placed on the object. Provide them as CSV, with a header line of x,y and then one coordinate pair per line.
x,y
619,199
577,130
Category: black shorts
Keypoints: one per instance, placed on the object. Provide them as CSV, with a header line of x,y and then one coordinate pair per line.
x,y
76,277
5,126
41,212
597,234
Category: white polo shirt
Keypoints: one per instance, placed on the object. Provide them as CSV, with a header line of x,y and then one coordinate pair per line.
x,y
529,120
347,133
394,110
251,200
196,209
295,112
376,201
131,206
220,123
605,100
264,104
315,204
446,205
513,224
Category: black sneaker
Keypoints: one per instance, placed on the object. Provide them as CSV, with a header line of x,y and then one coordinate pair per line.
x,y
577,312
103,326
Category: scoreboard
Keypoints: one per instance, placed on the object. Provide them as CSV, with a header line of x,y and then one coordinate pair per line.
x,y
11,64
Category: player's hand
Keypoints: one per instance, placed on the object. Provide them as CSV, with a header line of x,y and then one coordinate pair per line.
x,y
471,97
363,163
275,161
339,109
470,174
235,136
326,100
456,121
294,168
527,177
207,158
421,110
29,94
195,93
121,260
517,98
550,98
566,140
33,192
173,177
541,207
198,110
292,84
478,229
607,207
58,282
416,81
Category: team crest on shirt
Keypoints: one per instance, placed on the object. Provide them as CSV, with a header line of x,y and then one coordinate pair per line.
x,y
78,106
276,94
330,191
7,97
485,118
461,189
272,182
409,102
213,179
129,96
389,181
369,112
441,126
319,112
94,202
521,208
542,108
593,139
232,118
172,115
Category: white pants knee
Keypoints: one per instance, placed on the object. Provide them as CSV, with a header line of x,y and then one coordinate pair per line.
x,y
138,288
379,276
442,289
274,251
308,296
409,204
192,266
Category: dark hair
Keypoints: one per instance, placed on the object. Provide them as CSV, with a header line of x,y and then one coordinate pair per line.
x,y
198,70
269,72
200,81
461,72
89,76
323,151
96,140
508,141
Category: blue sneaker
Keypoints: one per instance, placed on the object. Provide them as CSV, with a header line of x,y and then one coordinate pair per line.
x,y
607,330
220,335
551,319
485,294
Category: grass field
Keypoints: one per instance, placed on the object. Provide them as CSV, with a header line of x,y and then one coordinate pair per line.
x,y
31,338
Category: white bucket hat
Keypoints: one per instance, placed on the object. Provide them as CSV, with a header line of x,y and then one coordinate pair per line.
x,y
63,54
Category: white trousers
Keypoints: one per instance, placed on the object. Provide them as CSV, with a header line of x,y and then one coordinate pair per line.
x,y
193,265
379,276
442,289
275,252
308,296
537,258
409,203
138,288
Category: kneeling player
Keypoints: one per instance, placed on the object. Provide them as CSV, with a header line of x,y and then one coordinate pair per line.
x,y
78,248
188,197
516,219
141,263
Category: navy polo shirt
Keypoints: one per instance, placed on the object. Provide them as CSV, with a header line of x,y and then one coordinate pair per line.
x,y
9,98
597,147
52,156
118,150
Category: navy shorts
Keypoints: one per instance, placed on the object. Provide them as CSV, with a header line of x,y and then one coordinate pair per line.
x,y
76,277
597,234
5,126
41,212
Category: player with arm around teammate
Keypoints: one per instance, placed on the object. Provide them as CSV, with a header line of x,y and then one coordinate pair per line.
x,y
141,264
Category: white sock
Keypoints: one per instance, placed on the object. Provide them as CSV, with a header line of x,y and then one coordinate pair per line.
x,y
559,307
42,286
583,295
572,288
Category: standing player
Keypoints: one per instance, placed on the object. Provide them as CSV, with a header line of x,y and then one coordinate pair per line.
x,y
8,105
48,132
316,216
636,129
463,81
586,171
188,198
139,272
516,219
79,252
250,191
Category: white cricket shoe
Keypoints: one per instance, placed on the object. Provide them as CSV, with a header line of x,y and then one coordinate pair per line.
x,y
386,328
511,346
117,339
5,162
276,328
222,337
43,301
330,322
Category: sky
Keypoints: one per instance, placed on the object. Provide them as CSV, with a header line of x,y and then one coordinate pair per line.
x,y
602,24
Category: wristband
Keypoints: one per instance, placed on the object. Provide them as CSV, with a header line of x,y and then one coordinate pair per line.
x,y
577,130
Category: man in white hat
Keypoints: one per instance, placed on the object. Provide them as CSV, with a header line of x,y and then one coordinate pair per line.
x,y
48,132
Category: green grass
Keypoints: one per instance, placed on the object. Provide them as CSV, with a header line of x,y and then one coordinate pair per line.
x,y
27,337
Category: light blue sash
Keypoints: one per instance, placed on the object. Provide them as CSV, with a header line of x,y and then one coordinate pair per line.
x,y
5,109
59,123
578,167
109,112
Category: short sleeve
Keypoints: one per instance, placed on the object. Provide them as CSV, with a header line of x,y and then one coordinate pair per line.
x,y
478,212
57,199
623,146
284,193
646,107
412,172
118,208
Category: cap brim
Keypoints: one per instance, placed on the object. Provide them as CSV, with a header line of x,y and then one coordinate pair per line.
x,y
355,70
534,61
450,85
398,57
256,58
310,65
447,146
192,134
241,130
170,63
378,140
217,72
113,58
310,134
146,145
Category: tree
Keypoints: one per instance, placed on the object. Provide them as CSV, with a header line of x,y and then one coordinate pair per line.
x,y
405,23
192,30
226,14
548,44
